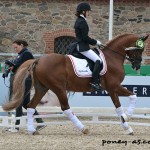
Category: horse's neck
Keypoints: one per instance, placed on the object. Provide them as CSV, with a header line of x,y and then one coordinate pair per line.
x,y
120,42
116,47
113,58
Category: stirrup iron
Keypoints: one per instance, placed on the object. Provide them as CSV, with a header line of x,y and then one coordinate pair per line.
x,y
95,86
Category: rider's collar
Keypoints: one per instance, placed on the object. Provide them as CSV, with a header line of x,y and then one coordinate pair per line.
x,y
24,49
83,16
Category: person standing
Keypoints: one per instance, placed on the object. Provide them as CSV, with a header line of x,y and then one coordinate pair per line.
x,y
24,54
81,30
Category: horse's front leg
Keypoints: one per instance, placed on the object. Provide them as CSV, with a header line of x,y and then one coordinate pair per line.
x,y
120,112
132,101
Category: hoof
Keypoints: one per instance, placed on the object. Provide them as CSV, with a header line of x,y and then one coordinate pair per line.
x,y
124,118
33,132
36,133
38,128
85,131
129,131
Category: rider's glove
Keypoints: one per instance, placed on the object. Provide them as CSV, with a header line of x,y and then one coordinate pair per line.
x,y
98,43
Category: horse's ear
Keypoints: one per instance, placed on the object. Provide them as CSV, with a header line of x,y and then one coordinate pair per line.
x,y
143,38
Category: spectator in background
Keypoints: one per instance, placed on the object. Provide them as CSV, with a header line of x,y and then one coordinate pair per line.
x,y
20,47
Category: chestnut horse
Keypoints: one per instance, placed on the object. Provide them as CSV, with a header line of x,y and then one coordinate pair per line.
x,y
55,72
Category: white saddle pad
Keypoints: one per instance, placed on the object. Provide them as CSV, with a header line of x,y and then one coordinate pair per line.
x,y
81,67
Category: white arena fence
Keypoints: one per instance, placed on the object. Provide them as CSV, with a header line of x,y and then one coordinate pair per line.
x,y
96,114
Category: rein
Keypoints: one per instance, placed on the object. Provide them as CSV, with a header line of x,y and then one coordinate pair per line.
x,y
125,57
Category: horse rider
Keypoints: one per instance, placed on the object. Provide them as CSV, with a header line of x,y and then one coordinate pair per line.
x,y
81,31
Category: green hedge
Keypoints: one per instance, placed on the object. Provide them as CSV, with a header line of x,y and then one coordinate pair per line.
x,y
144,70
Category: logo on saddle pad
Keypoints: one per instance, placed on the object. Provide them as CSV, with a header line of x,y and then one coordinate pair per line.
x,y
81,67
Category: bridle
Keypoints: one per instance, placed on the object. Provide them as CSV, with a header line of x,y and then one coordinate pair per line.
x,y
131,59
139,46
134,57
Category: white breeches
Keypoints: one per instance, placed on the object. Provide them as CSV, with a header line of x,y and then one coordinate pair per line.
x,y
90,54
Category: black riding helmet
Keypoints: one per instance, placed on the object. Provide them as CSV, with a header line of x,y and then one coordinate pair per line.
x,y
83,7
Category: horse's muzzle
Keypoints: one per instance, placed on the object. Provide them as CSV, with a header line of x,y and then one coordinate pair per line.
x,y
136,66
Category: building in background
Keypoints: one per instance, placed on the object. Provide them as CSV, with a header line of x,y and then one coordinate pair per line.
x,y
48,25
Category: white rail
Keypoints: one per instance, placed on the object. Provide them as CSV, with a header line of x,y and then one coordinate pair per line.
x,y
109,110
14,54
97,116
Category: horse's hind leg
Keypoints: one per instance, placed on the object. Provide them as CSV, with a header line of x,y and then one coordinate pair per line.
x,y
120,112
39,93
62,96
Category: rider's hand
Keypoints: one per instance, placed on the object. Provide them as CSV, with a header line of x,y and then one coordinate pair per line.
x,y
101,46
98,43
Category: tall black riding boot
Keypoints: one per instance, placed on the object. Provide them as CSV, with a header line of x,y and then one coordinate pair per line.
x,y
95,75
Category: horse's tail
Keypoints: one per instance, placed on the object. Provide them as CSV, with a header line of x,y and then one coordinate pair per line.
x,y
22,73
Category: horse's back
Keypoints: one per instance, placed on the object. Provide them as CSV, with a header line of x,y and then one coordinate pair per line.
x,y
51,60
51,67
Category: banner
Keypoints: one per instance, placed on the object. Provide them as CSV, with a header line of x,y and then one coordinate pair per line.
x,y
139,85
139,90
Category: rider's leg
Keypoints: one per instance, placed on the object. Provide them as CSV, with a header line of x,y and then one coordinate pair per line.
x,y
91,55
95,75
97,67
